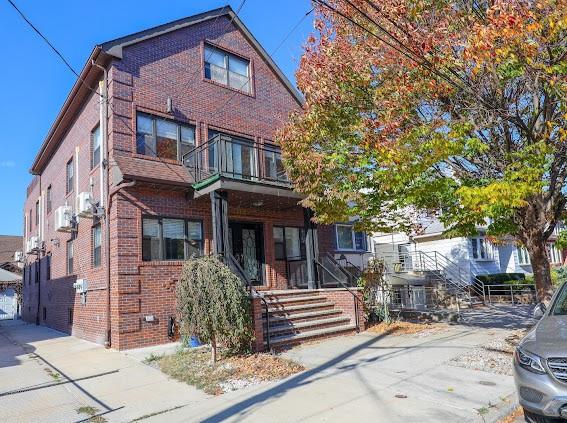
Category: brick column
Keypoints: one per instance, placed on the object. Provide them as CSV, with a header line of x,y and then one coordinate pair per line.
x,y
257,309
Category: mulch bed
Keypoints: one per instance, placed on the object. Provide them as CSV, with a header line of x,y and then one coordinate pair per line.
x,y
229,373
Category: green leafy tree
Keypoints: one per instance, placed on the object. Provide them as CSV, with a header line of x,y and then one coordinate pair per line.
x,y
448,108
213,304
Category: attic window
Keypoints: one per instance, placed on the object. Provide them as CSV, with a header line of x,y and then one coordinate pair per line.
x,y
227,69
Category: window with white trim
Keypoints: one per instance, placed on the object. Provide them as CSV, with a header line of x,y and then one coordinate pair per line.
x,y
523,256
482,249
96,141
553,253
227,69
348,239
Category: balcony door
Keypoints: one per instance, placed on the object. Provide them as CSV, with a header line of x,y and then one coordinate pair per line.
x,y
247,241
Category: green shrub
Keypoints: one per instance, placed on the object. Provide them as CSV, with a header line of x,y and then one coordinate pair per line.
x,y
500,278
213,304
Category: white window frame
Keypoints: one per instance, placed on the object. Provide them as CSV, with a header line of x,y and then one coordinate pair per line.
x,y
228,56
476,243
353,238
523,256
553,253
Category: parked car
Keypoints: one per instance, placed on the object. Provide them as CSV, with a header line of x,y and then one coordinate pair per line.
x,y
540,363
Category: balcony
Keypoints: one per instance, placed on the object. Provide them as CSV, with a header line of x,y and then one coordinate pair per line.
x,y
234,163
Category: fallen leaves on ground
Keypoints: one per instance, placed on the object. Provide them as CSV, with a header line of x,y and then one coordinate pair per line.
x,y
228,373
512,417
405,328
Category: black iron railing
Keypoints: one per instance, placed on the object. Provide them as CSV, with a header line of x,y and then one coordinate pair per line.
x,y
235,266
329,267
237,159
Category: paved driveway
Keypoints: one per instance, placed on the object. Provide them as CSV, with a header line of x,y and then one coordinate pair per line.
x,y
47,376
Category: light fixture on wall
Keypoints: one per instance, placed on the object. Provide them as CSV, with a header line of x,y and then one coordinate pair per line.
x,y
258,203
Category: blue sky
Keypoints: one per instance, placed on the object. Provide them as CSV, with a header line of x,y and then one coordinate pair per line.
x,y
36,82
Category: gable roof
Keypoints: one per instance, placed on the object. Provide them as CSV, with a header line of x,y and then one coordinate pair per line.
x,y
8,246
102,55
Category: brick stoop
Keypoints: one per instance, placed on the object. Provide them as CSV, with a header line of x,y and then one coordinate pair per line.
x,y
298,316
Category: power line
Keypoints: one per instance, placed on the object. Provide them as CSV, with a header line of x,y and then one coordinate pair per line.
x,y
44,38
414,59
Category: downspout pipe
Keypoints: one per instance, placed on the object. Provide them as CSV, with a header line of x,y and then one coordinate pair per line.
x,y
104,189
38,261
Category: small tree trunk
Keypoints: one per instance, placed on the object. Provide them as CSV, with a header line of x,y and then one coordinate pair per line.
x,y
213,350
540,267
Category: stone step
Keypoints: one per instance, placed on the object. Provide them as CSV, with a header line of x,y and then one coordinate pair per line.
x,y
292,308
287,293
292,339
298,326
294,299
306,315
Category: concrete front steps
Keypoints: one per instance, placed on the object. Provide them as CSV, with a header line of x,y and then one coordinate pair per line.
x,y
298,316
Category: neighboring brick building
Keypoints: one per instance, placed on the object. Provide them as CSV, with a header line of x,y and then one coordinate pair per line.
x,y
200,85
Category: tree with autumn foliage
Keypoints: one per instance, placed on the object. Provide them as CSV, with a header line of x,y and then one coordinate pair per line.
x,y
446,108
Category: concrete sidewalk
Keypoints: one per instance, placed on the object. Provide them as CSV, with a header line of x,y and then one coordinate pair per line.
x,y
47,376
367,377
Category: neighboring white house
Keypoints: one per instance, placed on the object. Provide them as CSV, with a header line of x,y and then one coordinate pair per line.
x,y
9,304
470,255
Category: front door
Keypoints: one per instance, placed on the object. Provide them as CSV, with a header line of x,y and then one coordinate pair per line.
x,y
246,240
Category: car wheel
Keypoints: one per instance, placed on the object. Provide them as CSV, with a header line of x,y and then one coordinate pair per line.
x,y
538,418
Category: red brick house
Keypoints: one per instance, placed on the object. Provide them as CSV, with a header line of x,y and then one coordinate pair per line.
x,y
164,150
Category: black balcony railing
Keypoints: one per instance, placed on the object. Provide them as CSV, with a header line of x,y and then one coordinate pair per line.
x,y
237,159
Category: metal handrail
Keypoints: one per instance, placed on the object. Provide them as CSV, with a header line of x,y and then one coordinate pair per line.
x,y
217,147
248,284
356,299
447,269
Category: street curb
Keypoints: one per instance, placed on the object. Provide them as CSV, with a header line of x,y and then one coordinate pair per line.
x,y
498,411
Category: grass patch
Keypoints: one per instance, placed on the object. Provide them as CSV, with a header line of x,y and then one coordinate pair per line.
x,y
152,358
92,413
229,373
404,328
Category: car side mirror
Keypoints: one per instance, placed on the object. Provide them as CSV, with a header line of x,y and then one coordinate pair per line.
x,y
539,310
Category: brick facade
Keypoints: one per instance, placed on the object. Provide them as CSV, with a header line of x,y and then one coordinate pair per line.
x,y
148,73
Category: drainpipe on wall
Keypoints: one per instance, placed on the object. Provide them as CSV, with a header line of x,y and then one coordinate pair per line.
x,y
38,266
104,188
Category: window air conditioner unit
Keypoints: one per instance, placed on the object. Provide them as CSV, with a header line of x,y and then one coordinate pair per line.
x,y
84,207
81,286
33,244
63,215
18,256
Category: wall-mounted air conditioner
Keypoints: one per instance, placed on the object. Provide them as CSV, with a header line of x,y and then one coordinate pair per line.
x,y
18,256
84,206
32,244
81,286
63,216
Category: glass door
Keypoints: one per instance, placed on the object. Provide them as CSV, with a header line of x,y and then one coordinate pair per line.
x,y
247,247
